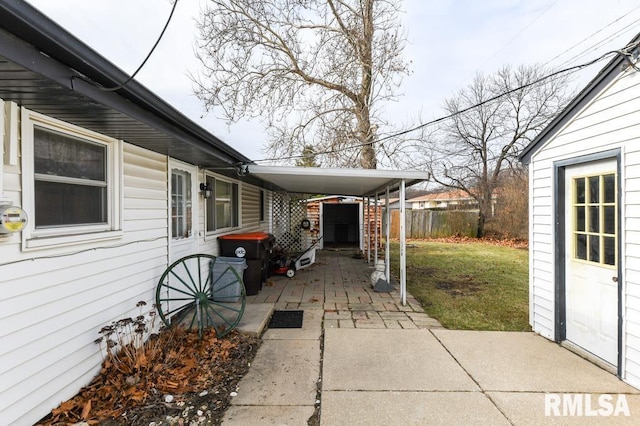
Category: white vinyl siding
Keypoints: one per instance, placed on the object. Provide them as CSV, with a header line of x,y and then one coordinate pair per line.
x,y
52,308
610,121
251,209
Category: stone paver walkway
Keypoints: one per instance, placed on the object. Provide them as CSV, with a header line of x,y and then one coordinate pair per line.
x,y
339,284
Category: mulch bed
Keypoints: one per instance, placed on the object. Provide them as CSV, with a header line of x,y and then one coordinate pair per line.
x,y
175,378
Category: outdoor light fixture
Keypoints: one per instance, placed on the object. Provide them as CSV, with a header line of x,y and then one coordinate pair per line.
x,y
206,190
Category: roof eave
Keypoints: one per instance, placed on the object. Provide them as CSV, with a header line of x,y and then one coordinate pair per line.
x,y
36,29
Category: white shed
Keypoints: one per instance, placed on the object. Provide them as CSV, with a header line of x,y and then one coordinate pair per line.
x,y
584,174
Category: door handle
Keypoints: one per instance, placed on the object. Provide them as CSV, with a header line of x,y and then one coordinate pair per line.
x,y
614,279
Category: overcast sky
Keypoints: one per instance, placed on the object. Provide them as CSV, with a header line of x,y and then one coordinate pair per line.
x,y
449,41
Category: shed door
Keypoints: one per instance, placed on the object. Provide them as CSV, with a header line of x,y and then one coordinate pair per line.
x,y
591,288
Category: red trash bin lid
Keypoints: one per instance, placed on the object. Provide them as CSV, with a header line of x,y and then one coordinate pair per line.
x,y
254,236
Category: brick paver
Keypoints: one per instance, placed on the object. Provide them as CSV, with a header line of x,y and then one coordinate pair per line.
x,y
340,284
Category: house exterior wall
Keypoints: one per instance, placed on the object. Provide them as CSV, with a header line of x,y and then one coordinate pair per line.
x,y
54,300
610,121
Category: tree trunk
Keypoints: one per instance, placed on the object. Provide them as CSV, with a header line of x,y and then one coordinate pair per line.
x,y
368,157
366,139
481,220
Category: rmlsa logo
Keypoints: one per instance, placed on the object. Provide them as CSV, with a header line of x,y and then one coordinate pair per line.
x,y
585,404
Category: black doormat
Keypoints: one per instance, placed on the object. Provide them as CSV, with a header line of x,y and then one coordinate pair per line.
x,y
286,319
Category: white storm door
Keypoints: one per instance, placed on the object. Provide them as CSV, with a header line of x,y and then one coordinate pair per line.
x,y
183,210
591,282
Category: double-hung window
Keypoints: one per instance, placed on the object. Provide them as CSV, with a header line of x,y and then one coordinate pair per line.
x,y
70,180
70,183
222,206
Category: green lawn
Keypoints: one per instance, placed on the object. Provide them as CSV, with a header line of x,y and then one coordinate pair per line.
x,y
469,285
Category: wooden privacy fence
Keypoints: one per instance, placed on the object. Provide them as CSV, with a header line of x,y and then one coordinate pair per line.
x,y
436,223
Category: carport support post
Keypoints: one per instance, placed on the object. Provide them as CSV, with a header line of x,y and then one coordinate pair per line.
x,y
375,232
368,230
364,235
387,254
403,247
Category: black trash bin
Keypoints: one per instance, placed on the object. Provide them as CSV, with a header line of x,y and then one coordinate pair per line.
x,y
255,248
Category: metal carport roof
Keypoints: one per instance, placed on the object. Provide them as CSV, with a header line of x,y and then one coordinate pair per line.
x,y
316,180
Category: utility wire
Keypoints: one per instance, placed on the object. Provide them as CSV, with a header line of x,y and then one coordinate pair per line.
x,y
592,35
610,37
132,76
517,35
574,68
54,256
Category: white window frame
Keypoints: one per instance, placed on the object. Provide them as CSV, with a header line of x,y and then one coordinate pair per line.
x,y
206,205
33,238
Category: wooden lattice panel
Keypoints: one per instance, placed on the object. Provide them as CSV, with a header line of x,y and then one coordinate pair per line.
x,y
288,212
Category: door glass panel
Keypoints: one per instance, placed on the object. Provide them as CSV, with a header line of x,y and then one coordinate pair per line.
x,y
609,249
581,246
594,248
594,189
609,219
579,191
609,188
580,219
594,219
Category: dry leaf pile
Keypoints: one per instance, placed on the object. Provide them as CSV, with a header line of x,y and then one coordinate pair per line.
x,y
505,242
172,372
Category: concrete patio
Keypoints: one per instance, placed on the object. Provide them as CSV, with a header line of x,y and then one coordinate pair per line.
x,y
362,358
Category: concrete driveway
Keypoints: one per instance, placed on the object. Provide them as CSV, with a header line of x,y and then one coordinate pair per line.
x,y
448,377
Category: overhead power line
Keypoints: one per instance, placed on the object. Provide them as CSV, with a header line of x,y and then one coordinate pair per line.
x,y
624,15
625,51
132,76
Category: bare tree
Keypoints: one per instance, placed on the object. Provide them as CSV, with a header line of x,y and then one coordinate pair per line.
x,y
476,144
511,219
315,71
